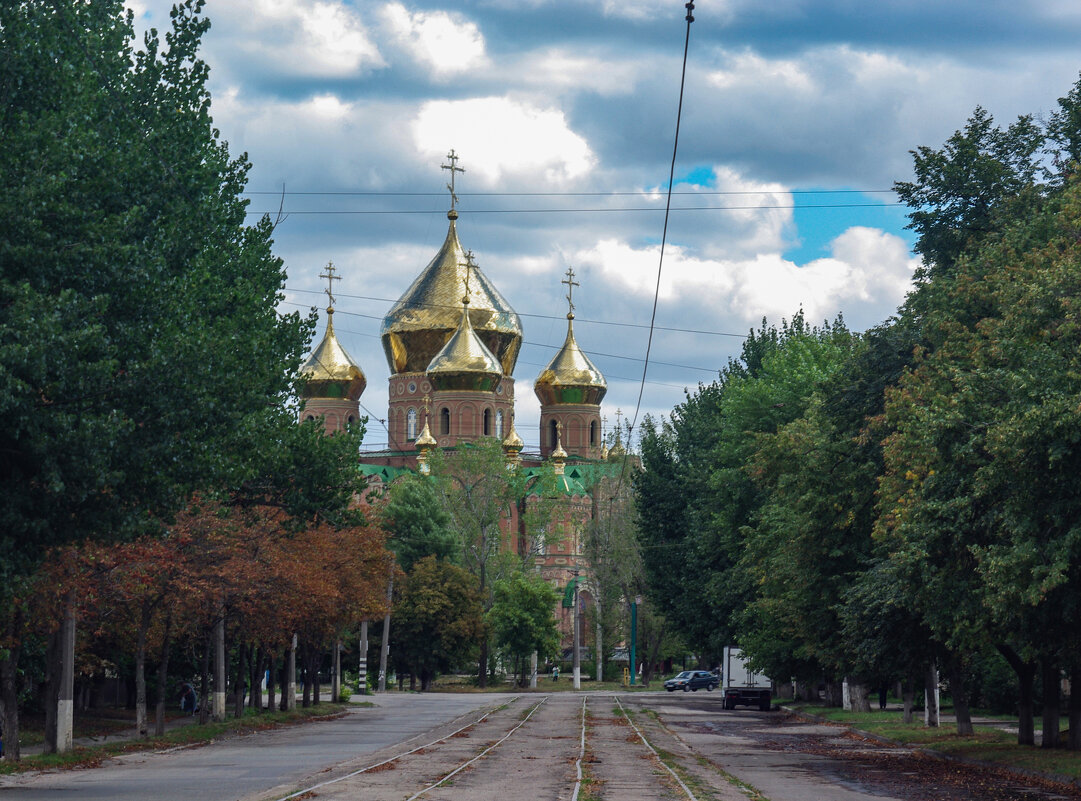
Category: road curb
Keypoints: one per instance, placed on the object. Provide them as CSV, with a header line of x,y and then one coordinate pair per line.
x,y
1028,773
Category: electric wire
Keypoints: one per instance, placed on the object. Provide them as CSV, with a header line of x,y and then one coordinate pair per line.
x,y
664,239
617,209
639,193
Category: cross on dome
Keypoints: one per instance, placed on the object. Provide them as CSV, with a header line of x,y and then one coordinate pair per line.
x,y
470,264
571,284
331,278
452,157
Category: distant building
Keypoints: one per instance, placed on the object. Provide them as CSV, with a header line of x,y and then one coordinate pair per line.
x,y
452,342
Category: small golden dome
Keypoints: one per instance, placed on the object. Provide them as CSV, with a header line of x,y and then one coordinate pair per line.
x,y
425,442
512,442
465,363
426,316
331,371
570,377
616,452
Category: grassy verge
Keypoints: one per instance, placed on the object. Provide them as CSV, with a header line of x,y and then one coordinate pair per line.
x,y
90,756
987,744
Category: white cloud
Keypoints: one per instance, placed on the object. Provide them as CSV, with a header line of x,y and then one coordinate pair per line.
x,y
315,39
445,43
499,136
562,69
868,268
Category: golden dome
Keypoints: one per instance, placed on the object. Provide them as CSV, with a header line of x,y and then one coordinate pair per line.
x,y
465,363
512,442
330,370
426,316
425,442
570,377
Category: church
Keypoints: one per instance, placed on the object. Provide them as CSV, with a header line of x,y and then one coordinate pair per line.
x,y
452,341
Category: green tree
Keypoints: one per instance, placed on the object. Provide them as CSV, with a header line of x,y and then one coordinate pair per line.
x,y
142,357
522,620
439,620
418,523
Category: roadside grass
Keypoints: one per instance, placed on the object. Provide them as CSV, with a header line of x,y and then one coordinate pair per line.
x,y
252,721
987,744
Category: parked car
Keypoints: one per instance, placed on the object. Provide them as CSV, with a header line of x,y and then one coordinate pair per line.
x,y
690,680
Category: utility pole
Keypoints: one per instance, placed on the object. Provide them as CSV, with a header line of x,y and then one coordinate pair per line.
x,y
577,654
362,680
634,634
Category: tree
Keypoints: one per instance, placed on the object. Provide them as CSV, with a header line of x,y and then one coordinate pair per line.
x,y
141,352
522,620
418,523
439,620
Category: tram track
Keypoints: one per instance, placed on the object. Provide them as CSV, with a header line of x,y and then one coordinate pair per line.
x,y
561,747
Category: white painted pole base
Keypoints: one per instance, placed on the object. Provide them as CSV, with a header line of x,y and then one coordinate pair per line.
x,y
65,712
577,678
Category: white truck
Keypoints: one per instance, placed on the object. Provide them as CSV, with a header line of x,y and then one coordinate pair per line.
x,y
740,685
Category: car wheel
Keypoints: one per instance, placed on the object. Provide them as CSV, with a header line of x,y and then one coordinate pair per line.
x,y
686,689
709,687
670,689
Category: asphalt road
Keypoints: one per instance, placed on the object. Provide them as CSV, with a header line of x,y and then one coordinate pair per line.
x,y
237,767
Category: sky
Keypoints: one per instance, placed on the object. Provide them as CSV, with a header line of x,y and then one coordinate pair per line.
x,y
798,116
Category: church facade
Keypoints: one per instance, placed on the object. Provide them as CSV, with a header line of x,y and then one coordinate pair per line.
x,y
452,343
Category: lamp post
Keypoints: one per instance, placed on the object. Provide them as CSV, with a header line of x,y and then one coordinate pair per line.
x,y
634,634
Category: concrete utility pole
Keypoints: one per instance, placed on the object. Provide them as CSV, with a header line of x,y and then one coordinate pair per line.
x,y
577,655
218,700
362,680
533,671
600,658
291,676
65,707
384,648
336,680
634,635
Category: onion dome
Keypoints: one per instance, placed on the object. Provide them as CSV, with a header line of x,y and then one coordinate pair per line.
x,y
426,316
330,371
465,363
425,442
512,443
570,377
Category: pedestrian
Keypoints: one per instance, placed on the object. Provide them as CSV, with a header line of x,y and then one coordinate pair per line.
x,y
187,699
883,691
555,673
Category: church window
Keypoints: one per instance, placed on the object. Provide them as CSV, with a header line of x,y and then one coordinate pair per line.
x,y
593,433
552,433
411,424
499,424
444,421
487,422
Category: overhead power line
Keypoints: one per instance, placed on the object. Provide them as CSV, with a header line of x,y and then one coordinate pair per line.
x,y
667,211
578,320
639,193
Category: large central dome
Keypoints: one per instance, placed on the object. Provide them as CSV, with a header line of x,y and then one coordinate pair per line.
x,y
428,314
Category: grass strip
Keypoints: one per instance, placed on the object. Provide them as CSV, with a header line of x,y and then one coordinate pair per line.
x,y
195,734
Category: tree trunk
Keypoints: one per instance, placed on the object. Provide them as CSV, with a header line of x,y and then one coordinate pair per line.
x,y
219,665
336,673
316,662
908,697
241,679
1074,743
858,695
482,671
1026,674
960,695
163,676
384,646
271,676
835,695
1052,711
9,689
930,690
51,690
255,676
204,679
290,683
140,670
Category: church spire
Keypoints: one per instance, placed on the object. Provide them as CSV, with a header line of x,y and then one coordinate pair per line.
x,y
452,157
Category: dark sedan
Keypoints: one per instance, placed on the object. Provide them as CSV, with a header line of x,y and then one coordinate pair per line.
x,y
690,680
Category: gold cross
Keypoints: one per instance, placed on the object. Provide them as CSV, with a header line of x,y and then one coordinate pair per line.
x,y
469,265
331,278
571,284
453,167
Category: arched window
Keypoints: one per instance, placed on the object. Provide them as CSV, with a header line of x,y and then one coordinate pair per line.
x,y
350,420
593,432
552,433
499,424
310,417
487,423
411,424
444,421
